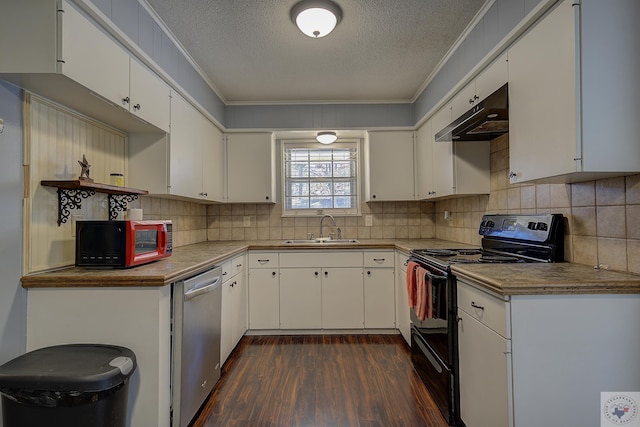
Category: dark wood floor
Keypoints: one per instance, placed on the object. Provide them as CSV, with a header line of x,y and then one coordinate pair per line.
x,y
329,380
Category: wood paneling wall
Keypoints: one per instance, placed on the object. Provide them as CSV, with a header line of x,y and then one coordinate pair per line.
x,y
56,138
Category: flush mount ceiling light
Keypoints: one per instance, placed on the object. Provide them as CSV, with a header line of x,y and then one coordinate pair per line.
x,y
316,18
326,137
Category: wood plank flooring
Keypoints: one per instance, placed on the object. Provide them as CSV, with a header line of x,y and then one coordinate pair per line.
x,y
320,380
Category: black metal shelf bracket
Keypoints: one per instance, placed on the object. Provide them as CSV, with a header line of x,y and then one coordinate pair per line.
x,y
71,198
118,203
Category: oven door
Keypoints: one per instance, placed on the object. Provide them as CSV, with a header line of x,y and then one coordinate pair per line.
x,y
436,329
434,373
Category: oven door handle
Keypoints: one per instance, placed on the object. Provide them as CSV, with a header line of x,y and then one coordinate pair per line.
x,y
431,355
435,276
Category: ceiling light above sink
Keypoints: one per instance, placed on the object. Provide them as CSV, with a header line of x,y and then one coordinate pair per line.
x,y
326,137
316,18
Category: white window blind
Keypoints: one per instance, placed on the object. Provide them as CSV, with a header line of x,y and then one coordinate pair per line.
x,y
320,178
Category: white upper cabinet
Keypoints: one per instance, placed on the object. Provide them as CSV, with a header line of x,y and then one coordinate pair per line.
x,y
250,168
62,55
491,79
389,174
187,163
423,172
573,94
441,156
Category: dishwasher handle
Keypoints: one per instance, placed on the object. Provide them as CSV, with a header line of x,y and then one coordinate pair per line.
x,y
203,289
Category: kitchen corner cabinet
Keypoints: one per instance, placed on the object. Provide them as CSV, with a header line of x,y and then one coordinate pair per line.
x,y
250,168
234,304
188,163
573,98
389,159
264,290
457,167
61,54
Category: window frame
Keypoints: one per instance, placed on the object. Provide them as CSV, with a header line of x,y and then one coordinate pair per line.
x,y
312,144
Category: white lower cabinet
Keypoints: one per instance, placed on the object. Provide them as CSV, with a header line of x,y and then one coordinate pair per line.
x,y
379,290
484,358
403,315
318,290
234,305
342,298
300,298
264,291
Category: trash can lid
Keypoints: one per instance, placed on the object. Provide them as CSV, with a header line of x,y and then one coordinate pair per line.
x,y
69,367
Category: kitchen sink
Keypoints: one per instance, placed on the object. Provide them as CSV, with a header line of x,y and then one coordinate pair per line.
x,y
321,241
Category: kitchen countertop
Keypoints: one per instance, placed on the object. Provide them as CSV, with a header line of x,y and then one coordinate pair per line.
x,y
192,259
548,279
505,279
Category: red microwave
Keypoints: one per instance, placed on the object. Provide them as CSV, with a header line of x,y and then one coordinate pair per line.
x,y
122,244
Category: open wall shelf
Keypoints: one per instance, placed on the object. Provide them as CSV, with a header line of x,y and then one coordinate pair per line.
x,y
71,193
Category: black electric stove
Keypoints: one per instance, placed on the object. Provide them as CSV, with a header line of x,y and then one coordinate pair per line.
x,y
434,341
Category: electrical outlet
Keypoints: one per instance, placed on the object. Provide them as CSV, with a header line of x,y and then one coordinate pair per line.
x,y
246,221
368,220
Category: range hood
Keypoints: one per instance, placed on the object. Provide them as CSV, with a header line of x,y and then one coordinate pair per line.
x,y
485,121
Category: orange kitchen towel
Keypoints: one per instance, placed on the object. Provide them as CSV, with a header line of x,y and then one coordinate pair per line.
x,y
422,293
411,283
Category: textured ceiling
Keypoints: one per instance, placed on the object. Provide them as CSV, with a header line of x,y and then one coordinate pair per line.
x,y
383,50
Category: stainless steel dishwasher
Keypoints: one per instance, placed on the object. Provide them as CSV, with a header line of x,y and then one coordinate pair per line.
x,y
195,343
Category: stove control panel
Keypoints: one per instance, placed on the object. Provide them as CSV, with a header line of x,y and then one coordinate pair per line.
x,y
532,228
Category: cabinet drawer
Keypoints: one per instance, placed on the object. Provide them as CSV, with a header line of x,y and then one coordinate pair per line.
x,y
379,259
238,264
483,307
321,259
263,260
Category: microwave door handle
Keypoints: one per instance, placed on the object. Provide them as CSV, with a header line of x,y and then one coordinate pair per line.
x,y
163,237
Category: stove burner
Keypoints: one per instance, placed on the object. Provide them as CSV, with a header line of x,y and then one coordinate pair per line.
x,y
462,260
469,251
438,252
498,259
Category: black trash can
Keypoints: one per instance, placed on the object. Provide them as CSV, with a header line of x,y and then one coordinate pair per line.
x,y
67,385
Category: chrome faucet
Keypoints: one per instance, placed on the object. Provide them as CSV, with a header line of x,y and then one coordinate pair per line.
x,y
322,219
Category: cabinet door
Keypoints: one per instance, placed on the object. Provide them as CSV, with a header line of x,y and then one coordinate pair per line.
x,y
149,96
250,168
423,163
379,298
390,175
300,298
483,366
442,155
185,149
264,300
542,98
342,298
403,316
239,305
226,325
492,78
464,100
107,71
212,162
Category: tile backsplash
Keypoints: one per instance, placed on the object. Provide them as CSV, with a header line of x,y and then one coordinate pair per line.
x,y
603,217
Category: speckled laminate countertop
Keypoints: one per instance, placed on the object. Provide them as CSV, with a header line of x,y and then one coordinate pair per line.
x,y
505,279
548,279
192,259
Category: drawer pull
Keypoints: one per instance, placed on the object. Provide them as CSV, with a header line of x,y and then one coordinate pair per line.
x,y
225,273
474,305
262,260
238,265
378,259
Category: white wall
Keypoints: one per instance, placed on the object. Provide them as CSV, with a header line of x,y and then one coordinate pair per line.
x,y
13,298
